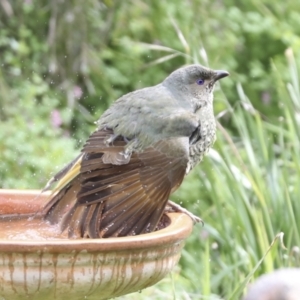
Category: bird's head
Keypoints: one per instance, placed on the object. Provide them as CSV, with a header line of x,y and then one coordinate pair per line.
x,y
195,82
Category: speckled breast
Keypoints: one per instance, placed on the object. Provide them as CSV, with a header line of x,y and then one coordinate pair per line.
x,y
207,138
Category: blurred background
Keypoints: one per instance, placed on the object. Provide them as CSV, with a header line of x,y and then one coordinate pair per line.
x,y
63,62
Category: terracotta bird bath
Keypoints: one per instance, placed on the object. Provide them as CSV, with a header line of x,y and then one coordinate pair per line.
x,y
37,262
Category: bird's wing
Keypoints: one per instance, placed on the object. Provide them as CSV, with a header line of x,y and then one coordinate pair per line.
x,y
106,200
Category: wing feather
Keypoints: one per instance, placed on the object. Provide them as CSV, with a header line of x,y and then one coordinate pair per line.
x,y
106,199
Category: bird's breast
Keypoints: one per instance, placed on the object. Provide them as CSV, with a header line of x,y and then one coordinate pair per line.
x,y
207,137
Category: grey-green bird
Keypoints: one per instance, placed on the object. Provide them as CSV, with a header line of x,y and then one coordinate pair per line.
x,y
144,145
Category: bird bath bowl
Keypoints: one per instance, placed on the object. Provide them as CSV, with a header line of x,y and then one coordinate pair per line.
x,y
37,262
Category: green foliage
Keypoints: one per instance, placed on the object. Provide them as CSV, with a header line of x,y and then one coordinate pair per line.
x,y
32,146
63,62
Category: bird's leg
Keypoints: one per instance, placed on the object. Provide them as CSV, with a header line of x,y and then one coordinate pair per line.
x,y
111,139
174,207
130,147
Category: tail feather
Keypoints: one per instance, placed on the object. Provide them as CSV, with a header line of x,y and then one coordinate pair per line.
x,y
93,225
62,202
143,223
74,221
69,172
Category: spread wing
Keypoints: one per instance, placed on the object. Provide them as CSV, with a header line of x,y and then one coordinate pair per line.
x,y
106,199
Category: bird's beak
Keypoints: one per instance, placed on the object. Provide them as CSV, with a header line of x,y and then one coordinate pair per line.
x,y
220,74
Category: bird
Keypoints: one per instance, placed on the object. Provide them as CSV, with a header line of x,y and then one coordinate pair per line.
x,y
144,145
282,284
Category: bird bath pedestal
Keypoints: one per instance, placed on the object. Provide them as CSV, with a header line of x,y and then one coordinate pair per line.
x,y
38,263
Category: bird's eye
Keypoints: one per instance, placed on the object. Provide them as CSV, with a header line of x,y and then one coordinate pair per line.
x,y
200,81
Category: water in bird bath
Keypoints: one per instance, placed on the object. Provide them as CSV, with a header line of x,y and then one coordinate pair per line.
x,y
29,229
18,219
